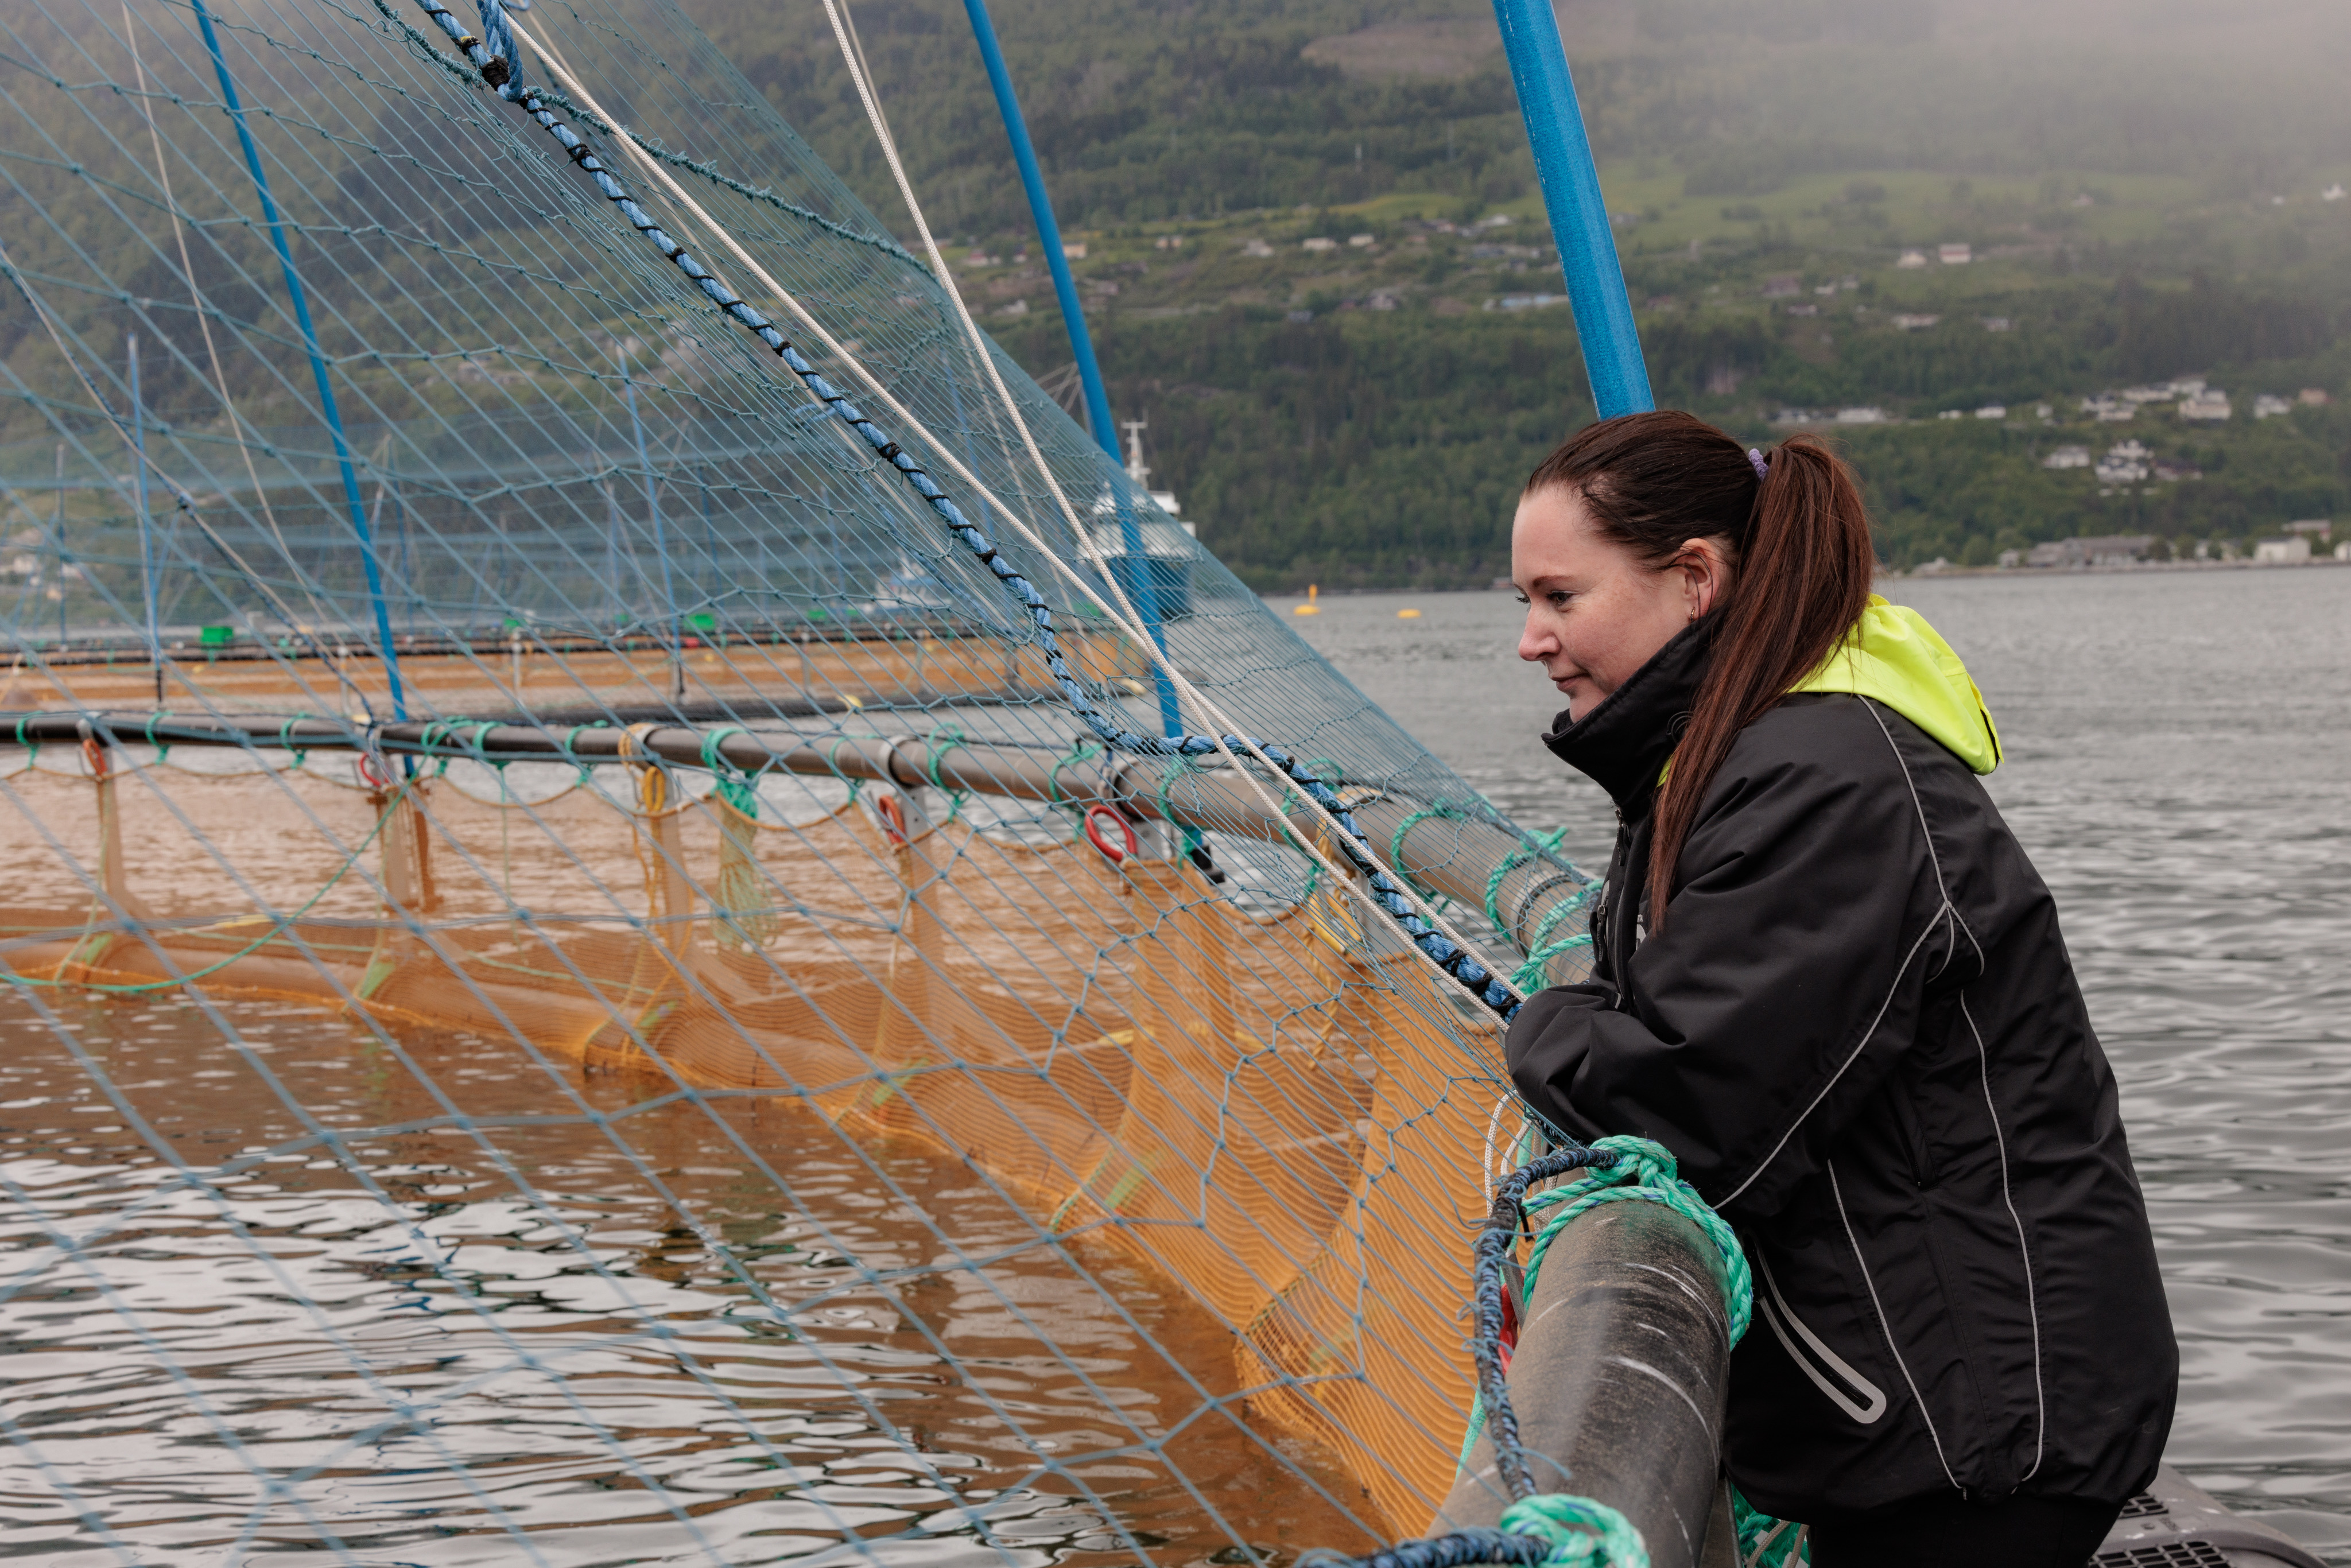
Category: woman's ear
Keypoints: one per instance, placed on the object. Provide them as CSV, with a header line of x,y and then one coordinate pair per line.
x,y
1705,573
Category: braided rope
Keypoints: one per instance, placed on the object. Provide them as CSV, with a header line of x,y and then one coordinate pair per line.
x,y
1456,960
653,146
735,788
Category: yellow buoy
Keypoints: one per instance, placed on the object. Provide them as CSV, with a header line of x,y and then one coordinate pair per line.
x,y
1407,614
1310,607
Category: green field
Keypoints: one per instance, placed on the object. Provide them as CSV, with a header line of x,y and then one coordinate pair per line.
x,y
2142,191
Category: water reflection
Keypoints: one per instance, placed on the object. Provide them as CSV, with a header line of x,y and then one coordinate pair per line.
x,y
277,1294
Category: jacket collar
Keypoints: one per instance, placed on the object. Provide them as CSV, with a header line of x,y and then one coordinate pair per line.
x,y
1623,744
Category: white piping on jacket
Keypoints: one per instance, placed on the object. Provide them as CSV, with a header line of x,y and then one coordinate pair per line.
x,y
2032,1296
1859,1046
1775,1307
1991,1108
1886,1328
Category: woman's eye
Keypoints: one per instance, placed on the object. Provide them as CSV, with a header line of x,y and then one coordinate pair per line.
x,y
1520,597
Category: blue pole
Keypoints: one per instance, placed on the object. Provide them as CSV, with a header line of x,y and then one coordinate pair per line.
x,y
1579,214
1048,231
146,522
269,215
1136,566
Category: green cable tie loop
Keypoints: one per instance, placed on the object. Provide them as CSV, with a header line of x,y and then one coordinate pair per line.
x,y
1083,750
1542,845
731,784
1532,975
833,761
952,735
1167,781
1443,810
571,751
1557,913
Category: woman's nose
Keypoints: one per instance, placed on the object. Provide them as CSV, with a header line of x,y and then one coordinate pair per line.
x,y
1536,642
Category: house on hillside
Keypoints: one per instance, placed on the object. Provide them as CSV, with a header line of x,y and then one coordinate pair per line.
x,y
1907,322
2291,551
2313,528
2125,462
2096,549
1954,254
2268,405
2067,457
1912,259
2209,406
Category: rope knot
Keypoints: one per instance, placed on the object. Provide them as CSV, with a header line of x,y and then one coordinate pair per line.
x,y
1580,1531
503,70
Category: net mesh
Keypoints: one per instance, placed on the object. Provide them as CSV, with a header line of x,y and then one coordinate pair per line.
x,y
451,1096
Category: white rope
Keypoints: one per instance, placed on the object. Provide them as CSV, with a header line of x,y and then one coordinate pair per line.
x,y
1122,615
852,54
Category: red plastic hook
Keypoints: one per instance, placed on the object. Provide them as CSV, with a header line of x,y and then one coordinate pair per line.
x,y
890,809
1100,812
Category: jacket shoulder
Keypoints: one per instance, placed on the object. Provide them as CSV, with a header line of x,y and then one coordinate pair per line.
x,y
1826,738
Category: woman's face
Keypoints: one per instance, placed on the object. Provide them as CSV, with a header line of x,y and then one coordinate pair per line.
x,y
1595,612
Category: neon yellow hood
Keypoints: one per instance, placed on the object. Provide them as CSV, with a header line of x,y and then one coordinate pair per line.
x,y
1892,654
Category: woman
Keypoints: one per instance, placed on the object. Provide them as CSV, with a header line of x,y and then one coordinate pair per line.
x,y
1829,980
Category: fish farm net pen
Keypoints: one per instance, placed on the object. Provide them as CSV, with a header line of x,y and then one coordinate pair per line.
x,y
606,962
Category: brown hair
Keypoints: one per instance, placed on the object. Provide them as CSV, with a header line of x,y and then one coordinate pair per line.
x,y
1798,543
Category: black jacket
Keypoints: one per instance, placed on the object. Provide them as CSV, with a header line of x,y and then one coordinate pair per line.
x,y
1860,1034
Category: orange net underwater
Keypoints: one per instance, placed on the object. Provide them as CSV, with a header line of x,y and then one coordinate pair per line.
x,y
529,834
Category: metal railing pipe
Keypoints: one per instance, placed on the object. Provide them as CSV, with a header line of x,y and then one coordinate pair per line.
x,y
1619,1379
1449,856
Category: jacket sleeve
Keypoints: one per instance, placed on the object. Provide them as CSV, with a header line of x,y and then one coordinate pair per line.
x,y
1795,960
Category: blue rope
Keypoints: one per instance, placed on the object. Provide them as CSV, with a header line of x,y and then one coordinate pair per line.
x,y
1454,959
1553,1528
326,405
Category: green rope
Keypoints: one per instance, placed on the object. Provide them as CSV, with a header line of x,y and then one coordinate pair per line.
x,y
1535,973
1646,1172
572,751
277,928
1581,1531
1442,811
936,745
1083,751
833,761
731,785
1765,1541
1545,843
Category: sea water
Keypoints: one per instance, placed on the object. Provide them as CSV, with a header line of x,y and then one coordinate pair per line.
x,y
2179,766
486,1316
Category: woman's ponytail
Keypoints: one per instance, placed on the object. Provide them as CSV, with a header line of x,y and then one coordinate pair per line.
x,y
1792,523
1802,581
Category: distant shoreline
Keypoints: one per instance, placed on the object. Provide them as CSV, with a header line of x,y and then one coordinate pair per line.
x,y
2020,573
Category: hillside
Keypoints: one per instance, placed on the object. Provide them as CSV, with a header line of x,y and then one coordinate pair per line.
x,y
2143,191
